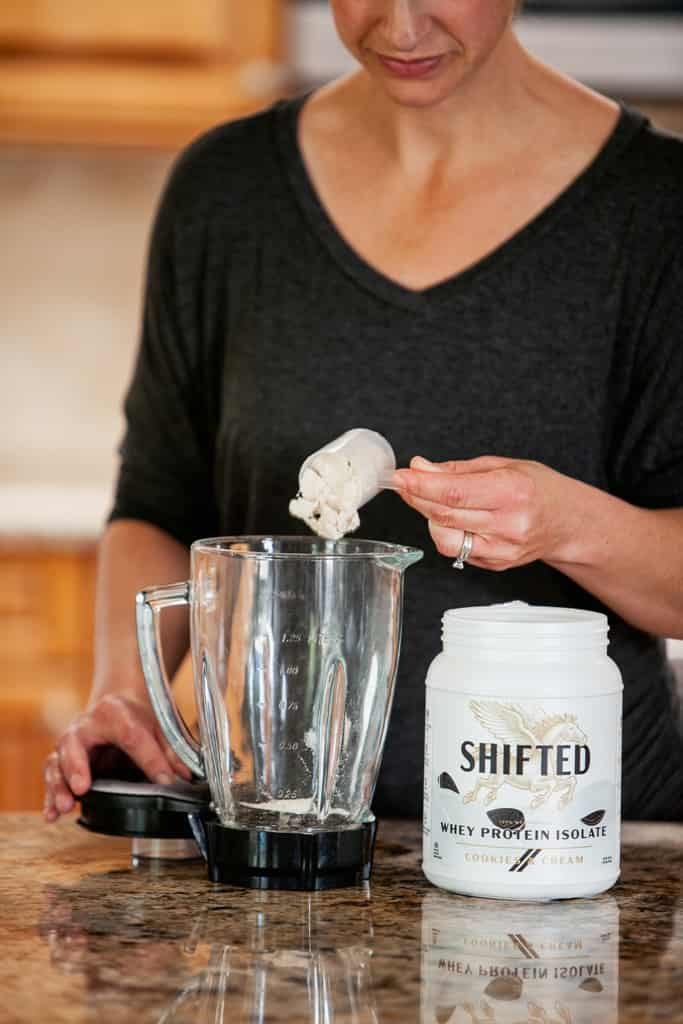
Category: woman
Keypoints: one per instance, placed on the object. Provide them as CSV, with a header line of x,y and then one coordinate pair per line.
x,y
476,256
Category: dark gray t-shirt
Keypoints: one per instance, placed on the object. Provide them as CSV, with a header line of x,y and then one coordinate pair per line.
x,y
265,335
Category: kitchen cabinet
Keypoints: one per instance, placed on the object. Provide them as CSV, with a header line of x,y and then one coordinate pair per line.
x,y
147,26
47,591
134,72
46,628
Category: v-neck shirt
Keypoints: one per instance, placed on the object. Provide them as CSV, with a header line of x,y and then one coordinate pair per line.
x,y
265,335
320,221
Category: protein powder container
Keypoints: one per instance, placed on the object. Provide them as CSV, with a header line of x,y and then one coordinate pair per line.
x,y
522,784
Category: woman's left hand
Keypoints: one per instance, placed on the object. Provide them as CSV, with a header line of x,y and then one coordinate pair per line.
x,y
517,511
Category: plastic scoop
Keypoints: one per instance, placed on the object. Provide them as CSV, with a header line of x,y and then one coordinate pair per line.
x,y
338,479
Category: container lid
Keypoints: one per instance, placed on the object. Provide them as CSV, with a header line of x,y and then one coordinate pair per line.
x,y
117,807
516,620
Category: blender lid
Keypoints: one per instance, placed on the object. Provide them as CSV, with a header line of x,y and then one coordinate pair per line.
x,y
116,807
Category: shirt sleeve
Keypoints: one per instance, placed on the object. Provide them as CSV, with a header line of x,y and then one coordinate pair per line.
x,y
166,470
648,461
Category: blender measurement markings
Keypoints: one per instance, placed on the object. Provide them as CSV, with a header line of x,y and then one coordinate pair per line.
x,y
315,638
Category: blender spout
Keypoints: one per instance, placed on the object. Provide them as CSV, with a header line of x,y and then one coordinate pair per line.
x,y
400,558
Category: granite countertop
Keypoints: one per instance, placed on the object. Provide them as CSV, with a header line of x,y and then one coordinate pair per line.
x,y
87,937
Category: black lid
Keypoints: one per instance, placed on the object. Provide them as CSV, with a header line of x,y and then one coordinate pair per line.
x,y
259,859
116,807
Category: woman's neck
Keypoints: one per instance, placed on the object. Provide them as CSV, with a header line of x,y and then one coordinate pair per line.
x,y
484,106
497,107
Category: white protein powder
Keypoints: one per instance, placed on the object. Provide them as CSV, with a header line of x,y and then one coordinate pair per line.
x,y
329,496
299,807
337,480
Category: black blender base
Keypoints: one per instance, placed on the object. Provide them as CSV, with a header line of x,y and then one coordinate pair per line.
x,y
258,859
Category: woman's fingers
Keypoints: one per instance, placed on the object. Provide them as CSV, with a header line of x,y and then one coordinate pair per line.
x,y
486,552
479,465
178,766
131,728
474,520
114,721
58,796
449,542
74,761
501,502
489,490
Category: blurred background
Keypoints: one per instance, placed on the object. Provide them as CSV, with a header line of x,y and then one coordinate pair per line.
x,y
95,101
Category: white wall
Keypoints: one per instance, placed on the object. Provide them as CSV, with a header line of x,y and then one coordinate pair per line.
x,y
640,56
74,227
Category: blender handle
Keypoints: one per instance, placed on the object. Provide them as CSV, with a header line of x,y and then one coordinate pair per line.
x,y
149,603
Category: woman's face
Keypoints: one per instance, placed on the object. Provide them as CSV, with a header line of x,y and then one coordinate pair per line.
x,y
420,51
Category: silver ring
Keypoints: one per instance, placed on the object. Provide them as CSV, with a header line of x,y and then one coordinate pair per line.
x,y
465,550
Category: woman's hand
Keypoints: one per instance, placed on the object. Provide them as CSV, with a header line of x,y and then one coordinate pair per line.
x,y
126,722
630,558
516,511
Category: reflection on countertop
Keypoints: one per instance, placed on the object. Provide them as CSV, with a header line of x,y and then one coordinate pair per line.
x,y
90,937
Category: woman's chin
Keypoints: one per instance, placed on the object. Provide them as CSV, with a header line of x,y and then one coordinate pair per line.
x,y
420,95
418,92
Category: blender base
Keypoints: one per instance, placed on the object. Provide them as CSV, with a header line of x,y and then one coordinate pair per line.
x,y
258,859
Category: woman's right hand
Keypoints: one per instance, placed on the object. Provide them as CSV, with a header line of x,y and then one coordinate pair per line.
x,y
116,720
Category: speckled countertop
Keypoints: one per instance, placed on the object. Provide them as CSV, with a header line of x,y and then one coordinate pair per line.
x,y
86,937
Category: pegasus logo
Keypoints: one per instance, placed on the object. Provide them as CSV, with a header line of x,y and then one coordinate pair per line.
x,y
538,752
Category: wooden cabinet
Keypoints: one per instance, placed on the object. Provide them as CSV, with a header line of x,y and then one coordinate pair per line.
x,y
46,599
196,28
47,592
46,629
134,72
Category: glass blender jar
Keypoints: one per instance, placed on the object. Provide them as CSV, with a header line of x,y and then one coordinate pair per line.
x,y
295,646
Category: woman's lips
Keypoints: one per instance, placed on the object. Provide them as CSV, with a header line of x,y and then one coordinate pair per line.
x,y
410,68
